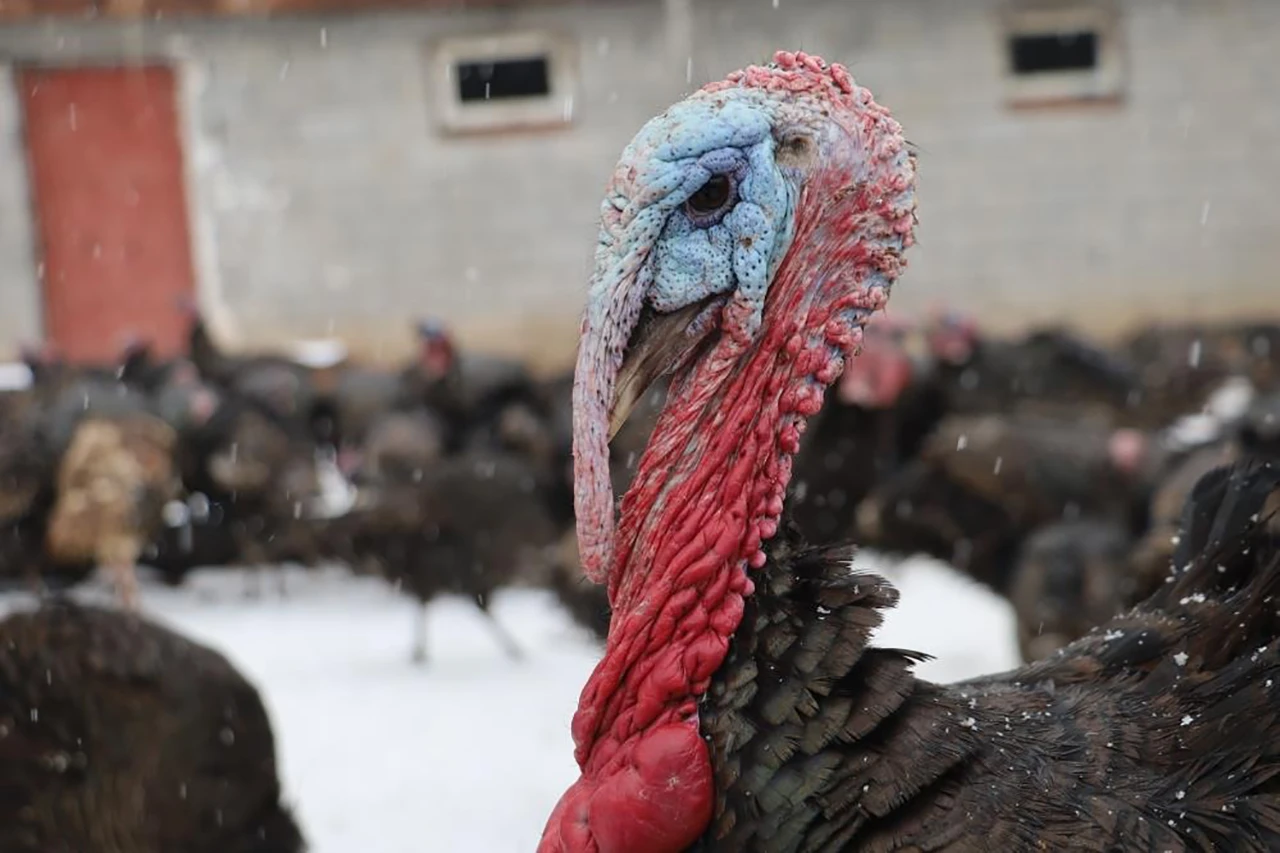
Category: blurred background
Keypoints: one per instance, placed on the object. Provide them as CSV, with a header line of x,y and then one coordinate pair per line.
x,y
313,269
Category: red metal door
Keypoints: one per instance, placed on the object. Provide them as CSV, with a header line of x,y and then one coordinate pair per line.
x,y
107,175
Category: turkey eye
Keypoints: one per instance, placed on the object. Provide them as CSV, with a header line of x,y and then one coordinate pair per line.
x,y
711,197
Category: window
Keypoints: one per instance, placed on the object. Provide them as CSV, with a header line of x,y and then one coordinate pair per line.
x,y
503,78
1060,51
511,81
1033,54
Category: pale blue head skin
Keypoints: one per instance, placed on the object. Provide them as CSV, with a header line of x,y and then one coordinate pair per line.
x,y
738,247
679,257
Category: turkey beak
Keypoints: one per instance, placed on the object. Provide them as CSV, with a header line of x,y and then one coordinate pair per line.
x,y
660,344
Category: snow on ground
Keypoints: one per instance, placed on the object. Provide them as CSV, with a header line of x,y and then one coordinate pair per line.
x,y
470,752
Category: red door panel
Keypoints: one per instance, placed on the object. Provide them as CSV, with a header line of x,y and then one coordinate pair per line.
x,y
107,176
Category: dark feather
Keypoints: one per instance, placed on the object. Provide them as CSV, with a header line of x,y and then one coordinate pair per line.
x,y
1157,731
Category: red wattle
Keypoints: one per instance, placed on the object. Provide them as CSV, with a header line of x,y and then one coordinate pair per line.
x,y
656,798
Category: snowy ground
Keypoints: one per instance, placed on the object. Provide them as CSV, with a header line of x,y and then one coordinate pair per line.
x,y
470,752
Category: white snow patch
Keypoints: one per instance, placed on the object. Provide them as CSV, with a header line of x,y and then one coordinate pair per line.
x,y
337,493
14,376
1225,405
319,353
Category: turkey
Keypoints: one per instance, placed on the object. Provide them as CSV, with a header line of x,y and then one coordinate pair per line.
x,y
282,384
254,494
114,444
1049,370
982,484
748,233
883,408
119,735
471,391
113,482
1181,366
1069,578
1256,435
28,463
466,523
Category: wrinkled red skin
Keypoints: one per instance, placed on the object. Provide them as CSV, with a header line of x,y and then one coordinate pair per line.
x,y
709,489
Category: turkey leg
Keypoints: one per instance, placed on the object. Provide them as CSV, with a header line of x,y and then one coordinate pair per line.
x,y
508,643
419,654
124,576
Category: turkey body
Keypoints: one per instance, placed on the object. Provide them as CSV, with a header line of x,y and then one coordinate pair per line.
x,y
1181,365
257,471
1071,577
981,484
850,449
1050,370
464,524
1158,731
113,481
27,467
119,736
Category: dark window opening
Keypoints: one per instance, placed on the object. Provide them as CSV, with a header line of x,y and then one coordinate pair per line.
x,y
1047,52
525,77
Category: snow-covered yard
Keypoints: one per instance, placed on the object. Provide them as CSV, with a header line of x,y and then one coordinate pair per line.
x,y
470,752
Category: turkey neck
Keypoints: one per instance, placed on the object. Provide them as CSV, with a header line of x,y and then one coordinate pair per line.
x,y
708,491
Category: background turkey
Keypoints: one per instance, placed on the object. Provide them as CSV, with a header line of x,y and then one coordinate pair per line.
x,y
1070,577
1182,365
432,522
117,734
874,421
981,484
255,472
1050,370
113,481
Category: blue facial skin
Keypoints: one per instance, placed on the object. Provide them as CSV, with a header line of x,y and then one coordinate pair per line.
x,y
694,254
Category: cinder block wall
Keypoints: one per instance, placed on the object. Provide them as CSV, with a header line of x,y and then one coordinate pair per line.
x,y
327,202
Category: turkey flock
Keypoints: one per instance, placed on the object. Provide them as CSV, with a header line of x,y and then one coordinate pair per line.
x,y
1048,468
1122,497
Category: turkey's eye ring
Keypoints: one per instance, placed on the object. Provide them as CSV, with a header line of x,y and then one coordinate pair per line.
x,y
711,196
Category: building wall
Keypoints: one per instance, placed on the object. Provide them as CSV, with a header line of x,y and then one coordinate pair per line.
x,y
325,200
20,306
